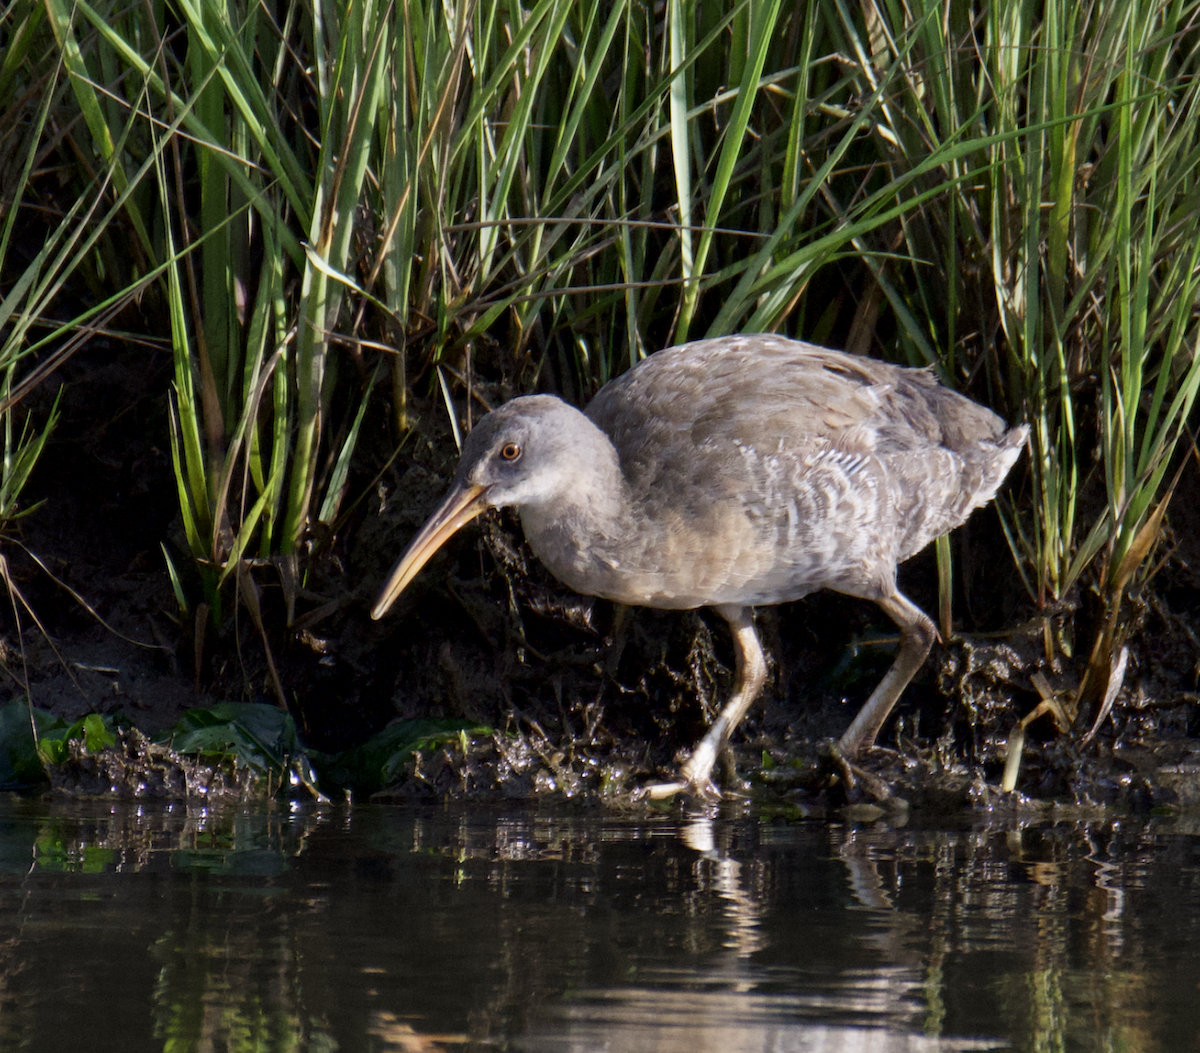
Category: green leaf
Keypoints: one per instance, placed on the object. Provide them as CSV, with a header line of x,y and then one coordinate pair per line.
x,y
248,735
379,761
20,764
96,731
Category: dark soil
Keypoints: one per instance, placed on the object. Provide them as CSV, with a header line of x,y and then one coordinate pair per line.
x,y
583,704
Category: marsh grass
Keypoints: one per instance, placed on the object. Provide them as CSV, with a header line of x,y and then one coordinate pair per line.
x,y
339,204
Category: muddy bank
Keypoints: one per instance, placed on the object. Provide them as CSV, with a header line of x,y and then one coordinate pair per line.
x,y
581,703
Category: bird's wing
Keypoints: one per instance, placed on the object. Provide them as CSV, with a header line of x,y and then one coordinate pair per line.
x,y
687,407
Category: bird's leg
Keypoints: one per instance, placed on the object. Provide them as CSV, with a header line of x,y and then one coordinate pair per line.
x,y
620,636
917,634
749,679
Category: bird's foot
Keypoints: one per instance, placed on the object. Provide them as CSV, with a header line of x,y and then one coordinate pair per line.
x,y
695,775
855,779
661,791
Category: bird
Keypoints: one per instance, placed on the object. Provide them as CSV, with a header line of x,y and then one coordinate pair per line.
x,y
733,473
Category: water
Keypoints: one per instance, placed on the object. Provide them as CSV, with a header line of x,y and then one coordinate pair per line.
x,y
388,929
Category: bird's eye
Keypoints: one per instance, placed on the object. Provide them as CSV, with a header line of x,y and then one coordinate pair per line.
x,y
510,451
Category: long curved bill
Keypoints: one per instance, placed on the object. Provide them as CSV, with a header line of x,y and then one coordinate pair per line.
x,y
462,504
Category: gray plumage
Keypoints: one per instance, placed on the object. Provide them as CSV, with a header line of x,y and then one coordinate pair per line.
x,y
734,473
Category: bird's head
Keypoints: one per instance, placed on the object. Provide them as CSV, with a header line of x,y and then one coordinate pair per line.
x,y
529,453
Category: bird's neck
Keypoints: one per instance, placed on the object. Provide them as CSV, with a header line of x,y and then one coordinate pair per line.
x,y
585,531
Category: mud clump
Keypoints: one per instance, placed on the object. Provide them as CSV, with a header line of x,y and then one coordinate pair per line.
x,y
137,768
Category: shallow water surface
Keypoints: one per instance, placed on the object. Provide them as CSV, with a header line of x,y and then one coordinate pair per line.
x,y
425,929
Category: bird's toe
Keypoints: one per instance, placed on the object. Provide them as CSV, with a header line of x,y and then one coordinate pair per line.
x,y
855,779
702,789
661,791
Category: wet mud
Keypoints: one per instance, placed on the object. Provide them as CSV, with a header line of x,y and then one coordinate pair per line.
x,y
585,702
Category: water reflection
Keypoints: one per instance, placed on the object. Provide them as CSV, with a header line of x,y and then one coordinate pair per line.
x,y
389,929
